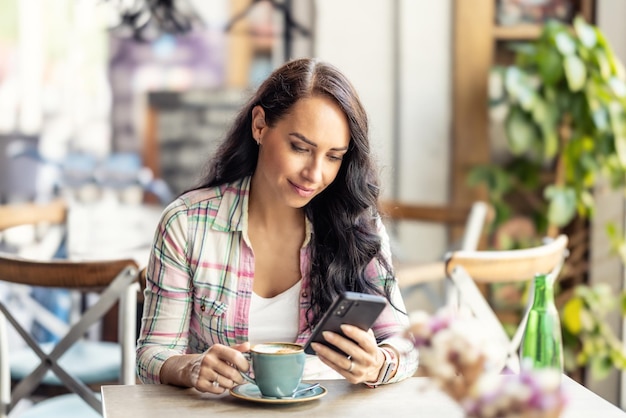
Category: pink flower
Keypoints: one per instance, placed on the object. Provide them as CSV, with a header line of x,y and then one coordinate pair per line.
x,y
455,353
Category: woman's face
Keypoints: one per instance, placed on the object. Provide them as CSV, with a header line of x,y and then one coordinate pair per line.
x,y
301,155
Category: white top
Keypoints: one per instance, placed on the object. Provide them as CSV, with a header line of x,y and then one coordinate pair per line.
x,y
275,319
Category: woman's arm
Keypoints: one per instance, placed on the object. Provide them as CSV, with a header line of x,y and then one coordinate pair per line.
x,y
393,321
167,297
368,352
164,354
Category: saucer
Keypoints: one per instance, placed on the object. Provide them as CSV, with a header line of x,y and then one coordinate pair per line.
x,y
250,392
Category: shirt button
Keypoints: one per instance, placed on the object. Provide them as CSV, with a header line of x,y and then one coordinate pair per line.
x,y
203,308
304,294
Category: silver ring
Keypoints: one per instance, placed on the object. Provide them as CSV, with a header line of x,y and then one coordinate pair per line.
x,y
215,383
351,366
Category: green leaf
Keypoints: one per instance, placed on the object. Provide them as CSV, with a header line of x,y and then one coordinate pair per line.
x,y
618,245
545,118
586,33
550,66
523,50
601,366
620,146
520,87
496,179
586,198
617,114
603,64
575,72
541,112
618,86
600,118
520,130
618,357
527,172
562,204
616,65
564,43
550,140
503,212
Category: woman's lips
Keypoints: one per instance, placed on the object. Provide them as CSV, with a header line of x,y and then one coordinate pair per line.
x,y
302,191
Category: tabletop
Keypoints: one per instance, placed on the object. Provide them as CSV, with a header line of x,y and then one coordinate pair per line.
x,y
407,398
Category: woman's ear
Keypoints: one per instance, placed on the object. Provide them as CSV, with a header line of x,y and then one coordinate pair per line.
x,y
258,123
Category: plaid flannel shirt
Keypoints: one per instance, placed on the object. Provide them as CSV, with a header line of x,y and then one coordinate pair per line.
x,y
199,283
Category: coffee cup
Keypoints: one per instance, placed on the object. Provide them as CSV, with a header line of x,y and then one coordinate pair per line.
x,y
277,368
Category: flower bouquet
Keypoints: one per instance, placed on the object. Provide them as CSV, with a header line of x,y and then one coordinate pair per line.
x,y
456,355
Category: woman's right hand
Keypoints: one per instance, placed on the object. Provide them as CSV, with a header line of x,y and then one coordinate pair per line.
x,y
217,369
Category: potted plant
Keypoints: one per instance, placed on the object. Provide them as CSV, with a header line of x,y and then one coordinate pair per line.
x,y
565,128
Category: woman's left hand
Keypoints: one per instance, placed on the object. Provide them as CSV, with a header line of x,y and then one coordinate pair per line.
x,y
364,358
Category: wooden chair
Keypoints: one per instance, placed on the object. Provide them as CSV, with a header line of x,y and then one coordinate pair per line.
x,y
54,212
73,362
470,220
467,268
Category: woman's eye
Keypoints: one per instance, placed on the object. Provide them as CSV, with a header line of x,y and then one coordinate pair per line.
x,y
296,148
335,157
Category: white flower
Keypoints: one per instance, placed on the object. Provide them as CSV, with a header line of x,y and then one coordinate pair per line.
x,y
456,351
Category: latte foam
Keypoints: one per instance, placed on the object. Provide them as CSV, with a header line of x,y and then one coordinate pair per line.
x,y
277,348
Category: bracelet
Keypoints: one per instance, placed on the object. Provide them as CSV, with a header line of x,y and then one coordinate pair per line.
x,y
386,370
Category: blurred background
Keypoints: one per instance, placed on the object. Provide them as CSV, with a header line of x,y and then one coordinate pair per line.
x,y
100,87
125,100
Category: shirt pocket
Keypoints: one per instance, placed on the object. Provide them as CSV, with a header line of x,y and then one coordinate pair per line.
x,y
211,314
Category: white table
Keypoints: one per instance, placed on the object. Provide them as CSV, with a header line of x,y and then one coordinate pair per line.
x,y
405,399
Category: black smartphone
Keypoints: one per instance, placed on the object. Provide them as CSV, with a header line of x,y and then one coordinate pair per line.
x,y
353,308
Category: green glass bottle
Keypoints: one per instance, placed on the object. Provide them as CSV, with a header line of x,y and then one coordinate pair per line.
x,y
542,344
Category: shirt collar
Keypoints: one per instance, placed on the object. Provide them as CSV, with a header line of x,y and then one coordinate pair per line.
x,y
232,213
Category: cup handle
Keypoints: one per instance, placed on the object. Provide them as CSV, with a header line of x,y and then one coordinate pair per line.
x,y
244,374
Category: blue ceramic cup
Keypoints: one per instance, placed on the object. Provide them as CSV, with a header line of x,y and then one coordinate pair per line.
x,y
277,368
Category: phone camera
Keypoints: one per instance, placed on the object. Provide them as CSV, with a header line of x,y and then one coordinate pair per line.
x,y
342,309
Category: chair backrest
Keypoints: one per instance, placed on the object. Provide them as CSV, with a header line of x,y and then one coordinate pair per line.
x,y
472,220
115,281
11,215
36,229
466,268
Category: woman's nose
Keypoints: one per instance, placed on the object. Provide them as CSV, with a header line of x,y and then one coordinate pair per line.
x,y
313,170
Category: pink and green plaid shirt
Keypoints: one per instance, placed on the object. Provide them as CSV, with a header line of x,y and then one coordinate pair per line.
x,y
199,283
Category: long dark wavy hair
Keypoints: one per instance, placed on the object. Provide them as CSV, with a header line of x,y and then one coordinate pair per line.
x,y
344,216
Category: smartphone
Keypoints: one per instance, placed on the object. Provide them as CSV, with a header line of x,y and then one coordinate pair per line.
x,y
353,308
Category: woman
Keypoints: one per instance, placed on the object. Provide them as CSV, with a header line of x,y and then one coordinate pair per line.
x,y
284,221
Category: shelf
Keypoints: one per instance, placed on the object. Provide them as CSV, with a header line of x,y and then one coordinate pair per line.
x,y
517,32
